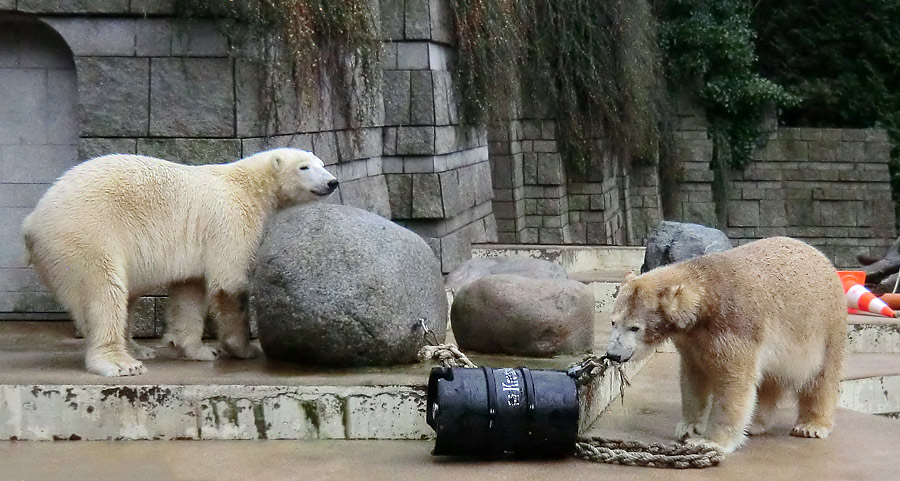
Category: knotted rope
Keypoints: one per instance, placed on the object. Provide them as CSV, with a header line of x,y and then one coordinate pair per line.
x,y
596,449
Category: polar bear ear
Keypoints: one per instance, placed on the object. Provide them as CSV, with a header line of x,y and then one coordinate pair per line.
x,y
680,304
629,276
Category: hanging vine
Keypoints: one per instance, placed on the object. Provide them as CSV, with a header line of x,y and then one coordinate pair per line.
x,y
593,66
317,46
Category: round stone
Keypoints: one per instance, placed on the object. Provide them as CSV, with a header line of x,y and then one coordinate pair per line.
x,y
508,314
334,285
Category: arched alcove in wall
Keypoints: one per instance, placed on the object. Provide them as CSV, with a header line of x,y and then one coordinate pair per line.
x,y
38,142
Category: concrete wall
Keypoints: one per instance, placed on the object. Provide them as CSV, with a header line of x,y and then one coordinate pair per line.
x,y
146,83
38,142
828,187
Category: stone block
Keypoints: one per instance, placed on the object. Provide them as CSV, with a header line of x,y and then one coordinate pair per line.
x,y
96,36
192,97
368,193
417,16
877,151
113,94
412,56
772,213
427,202
201,39
415,140
359,144
89,147
441,21
550,169
700,213
92,7
501,171
851,152
456,248
447,139
743,214
836,213
392,14
443,96
483,183
397,97
153,7
143,318
597,202
400,195
325,147
192,151
801,214
153,38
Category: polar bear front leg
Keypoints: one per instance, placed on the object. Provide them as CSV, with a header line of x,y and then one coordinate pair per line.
x,y
232,324
106,319
733,399
694,401
185,312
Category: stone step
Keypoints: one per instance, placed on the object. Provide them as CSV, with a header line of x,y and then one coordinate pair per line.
x,y
45,393
604,284
573,258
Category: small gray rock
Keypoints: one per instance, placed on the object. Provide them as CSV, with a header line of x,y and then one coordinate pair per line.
x,y
479,267
507,314
338,286
674,242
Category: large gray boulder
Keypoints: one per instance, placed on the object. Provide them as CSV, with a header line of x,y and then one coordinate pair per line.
x,y
335,285
507,314
474,269
673,242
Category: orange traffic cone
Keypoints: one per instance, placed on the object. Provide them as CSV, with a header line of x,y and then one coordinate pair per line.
x,y
858,297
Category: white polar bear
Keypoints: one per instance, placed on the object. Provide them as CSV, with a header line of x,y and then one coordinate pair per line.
x,y
120,226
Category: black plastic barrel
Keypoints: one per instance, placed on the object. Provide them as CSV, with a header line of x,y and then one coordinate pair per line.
x,y
485,412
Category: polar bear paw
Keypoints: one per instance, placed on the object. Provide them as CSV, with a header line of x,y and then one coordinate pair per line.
x,y
758,427
200,353
687,430
810,430
115,364
246,351
142,352
706,443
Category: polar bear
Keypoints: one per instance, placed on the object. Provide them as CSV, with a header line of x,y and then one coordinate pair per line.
x,y
120,226
749,324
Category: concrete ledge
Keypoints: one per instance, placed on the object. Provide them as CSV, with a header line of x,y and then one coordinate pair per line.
x,y
45,394
574,258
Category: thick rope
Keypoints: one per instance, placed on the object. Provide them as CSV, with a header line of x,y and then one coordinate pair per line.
x,y
446,355
597,449
654,455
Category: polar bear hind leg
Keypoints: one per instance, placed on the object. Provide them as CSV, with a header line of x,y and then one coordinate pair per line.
x,y
185,312
767,396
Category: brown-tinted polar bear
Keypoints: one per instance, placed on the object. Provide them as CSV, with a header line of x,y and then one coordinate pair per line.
x,y
749,323
119,226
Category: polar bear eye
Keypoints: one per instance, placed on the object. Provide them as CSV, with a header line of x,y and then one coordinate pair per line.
x,y
634,329
614,323
305,167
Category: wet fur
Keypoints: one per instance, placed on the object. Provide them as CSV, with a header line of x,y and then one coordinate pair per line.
x,y
750,324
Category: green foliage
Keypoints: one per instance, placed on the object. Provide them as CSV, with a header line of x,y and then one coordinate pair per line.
x,y
310,44
842,58
594,66
708,46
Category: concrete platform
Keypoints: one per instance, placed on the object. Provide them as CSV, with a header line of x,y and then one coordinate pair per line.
x,y
45,393
861,448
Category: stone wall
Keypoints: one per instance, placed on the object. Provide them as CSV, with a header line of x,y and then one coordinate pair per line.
x,y
537,201
828,187
151,84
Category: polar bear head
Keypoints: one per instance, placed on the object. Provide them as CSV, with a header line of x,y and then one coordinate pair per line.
x,y
301,176
648,310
